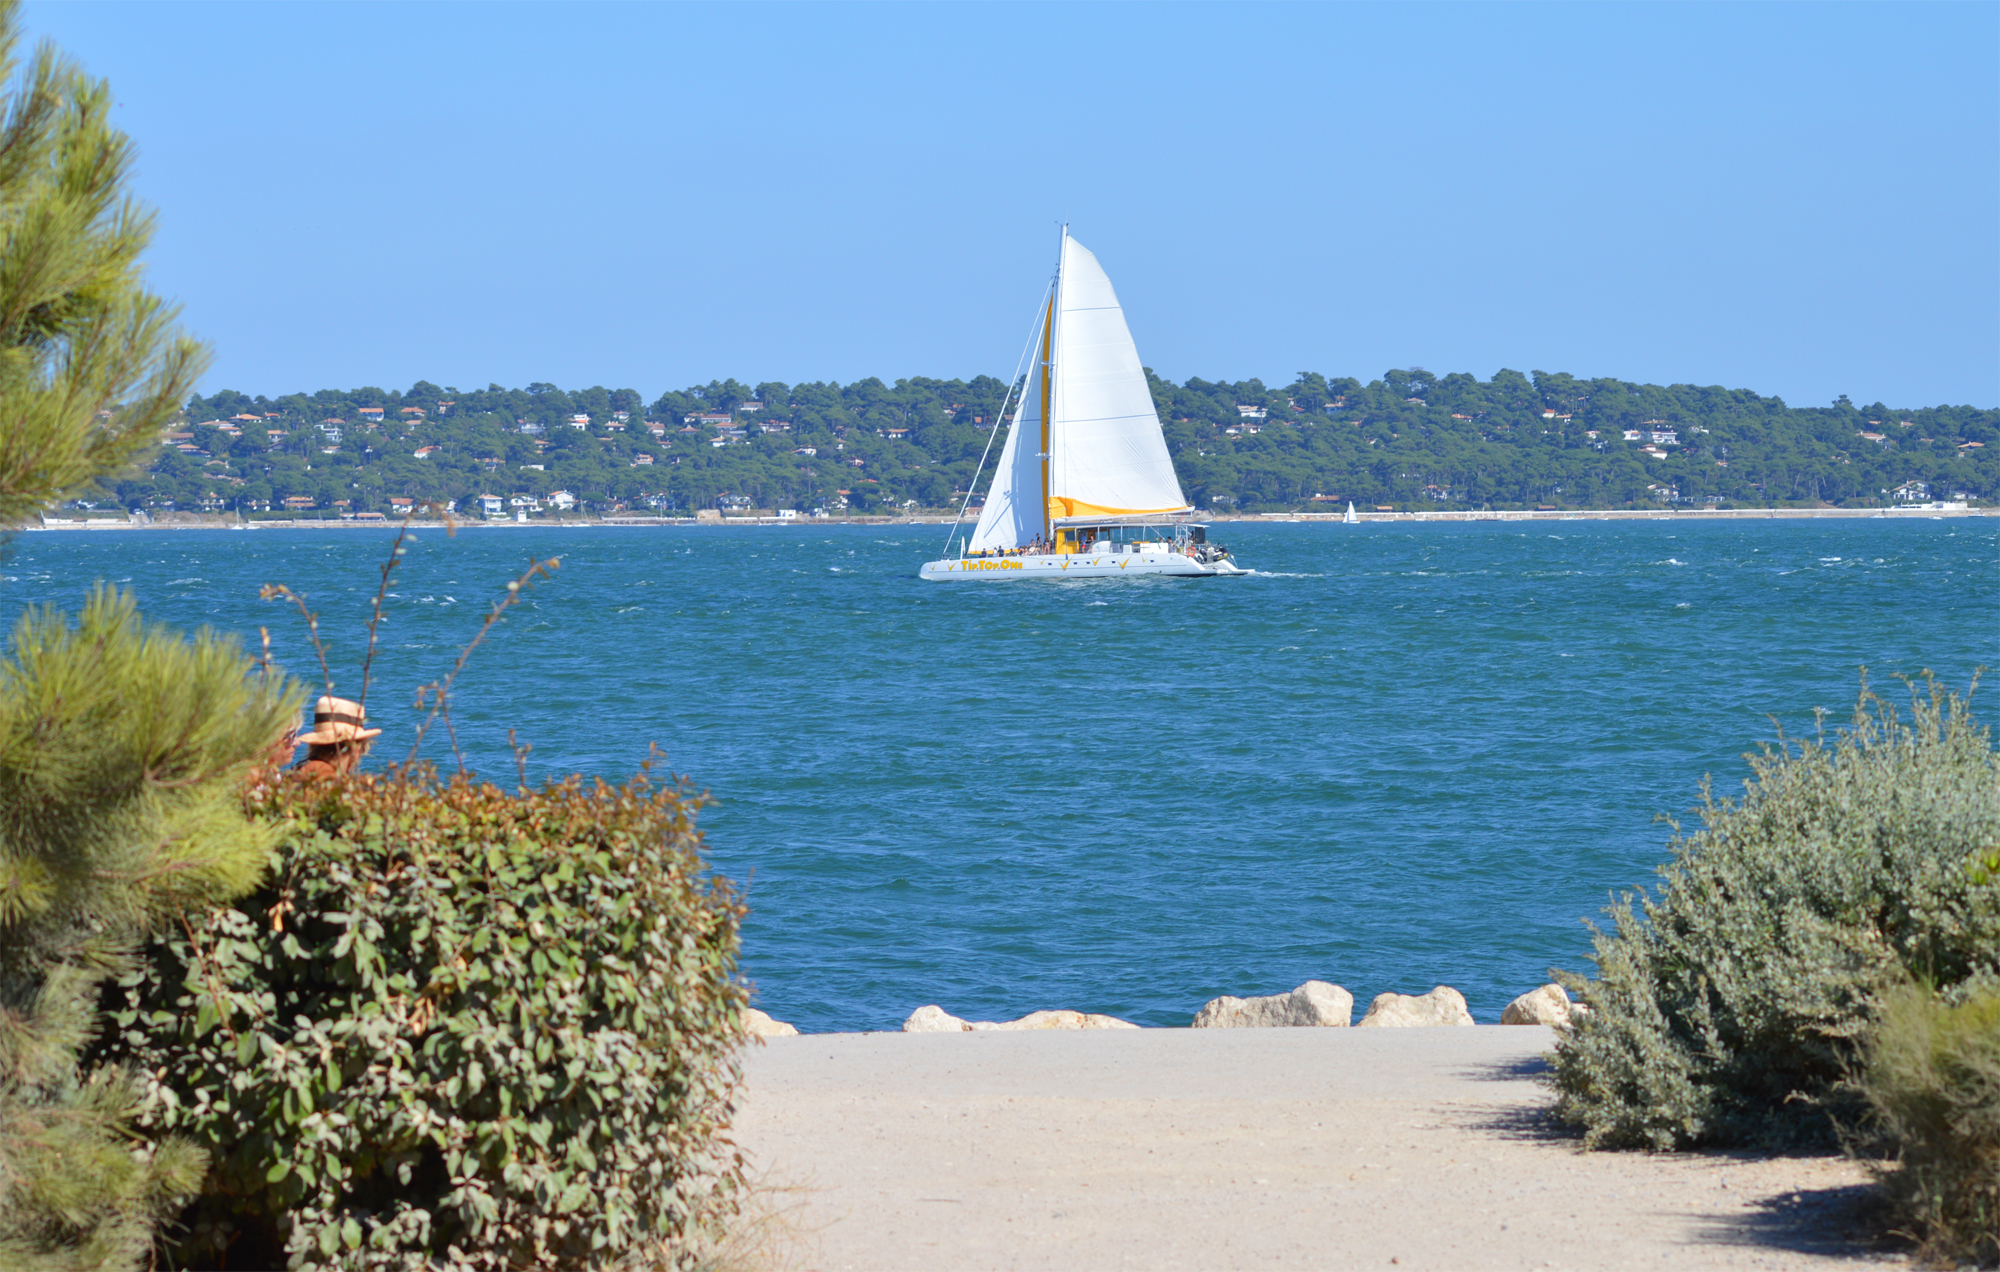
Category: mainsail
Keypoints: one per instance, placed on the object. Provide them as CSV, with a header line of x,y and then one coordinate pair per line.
x,y
1106,456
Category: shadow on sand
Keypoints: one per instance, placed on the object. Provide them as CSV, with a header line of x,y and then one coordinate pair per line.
x,y
1851,1221
1846,1222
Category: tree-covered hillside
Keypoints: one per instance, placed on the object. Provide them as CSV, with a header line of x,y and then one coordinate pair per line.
x,y
1410,439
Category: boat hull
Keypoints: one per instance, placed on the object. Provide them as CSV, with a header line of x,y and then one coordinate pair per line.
x,y
1075,565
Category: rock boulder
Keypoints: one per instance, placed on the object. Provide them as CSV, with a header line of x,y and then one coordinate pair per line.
x,y
935,1019
1442,1006
1548,1005
759,1025
1313,1004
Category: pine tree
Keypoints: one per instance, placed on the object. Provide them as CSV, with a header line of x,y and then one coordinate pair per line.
x,y
123,748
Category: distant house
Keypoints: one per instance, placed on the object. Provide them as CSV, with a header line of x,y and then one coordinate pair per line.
x,y
715,419
895,434
1665,437
425,452
806,450
1654,451
417,411
641,460
561,500
1912,492
371,412
401,503
658,428
1631,434
1966,446
751,407
623,417
444,408
492,505
1251,412
1873,437
579,421
300,503
1455,415
1548,413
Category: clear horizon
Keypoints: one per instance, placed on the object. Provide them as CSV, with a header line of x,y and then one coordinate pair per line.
x,y
1801,200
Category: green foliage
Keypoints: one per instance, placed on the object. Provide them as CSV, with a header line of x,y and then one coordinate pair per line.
x,y
1409,439
1930,1073
123,751
457,1025
1729,1007
79,335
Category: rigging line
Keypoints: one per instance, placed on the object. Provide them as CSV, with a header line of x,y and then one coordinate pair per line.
x,y
998,420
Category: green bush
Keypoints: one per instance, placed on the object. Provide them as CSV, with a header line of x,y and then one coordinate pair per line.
x,y
1931,1076
1729,1007
456,1026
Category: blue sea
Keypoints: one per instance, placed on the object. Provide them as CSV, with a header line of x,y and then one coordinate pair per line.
x,y
1397,756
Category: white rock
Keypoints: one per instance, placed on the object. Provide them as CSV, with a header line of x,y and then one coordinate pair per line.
x,y
935,1019
1442,1006
1548,1005
1060,1019
1313,1004
759,1025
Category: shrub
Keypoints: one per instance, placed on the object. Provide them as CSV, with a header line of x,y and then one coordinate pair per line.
x,y
1931,1076
1729,1007
456,1026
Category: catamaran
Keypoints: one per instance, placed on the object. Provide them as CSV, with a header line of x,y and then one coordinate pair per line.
x,y
1084,486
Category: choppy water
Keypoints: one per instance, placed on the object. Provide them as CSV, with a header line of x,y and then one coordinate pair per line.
x,y
1399,756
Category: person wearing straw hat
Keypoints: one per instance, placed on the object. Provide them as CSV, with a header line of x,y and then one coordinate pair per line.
x,y
339,738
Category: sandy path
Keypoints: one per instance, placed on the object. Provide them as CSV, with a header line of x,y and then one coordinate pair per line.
x,y
1278,1148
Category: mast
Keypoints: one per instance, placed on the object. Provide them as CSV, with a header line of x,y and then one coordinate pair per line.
x,y
1048,335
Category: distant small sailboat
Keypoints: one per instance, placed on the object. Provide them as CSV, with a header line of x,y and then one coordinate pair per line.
x,y
1350,519
1084,486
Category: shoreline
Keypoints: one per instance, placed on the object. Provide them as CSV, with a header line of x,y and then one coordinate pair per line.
x,y
197,521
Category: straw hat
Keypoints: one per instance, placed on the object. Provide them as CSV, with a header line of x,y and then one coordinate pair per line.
x,y
338,720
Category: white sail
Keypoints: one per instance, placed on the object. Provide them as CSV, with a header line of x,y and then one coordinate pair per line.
x,y
1350,518
1013,515
1106,453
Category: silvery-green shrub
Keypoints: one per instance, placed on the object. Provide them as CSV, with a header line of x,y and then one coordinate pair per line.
x,y
1729,1003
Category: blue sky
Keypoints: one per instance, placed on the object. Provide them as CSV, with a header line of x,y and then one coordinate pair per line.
x,y
1798,199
